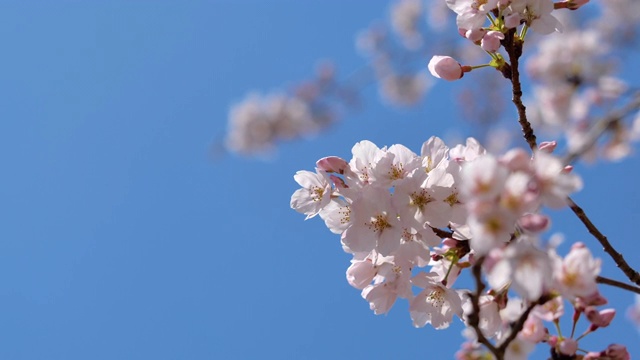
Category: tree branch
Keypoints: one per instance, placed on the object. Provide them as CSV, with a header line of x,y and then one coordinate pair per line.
x,y
618,284
518,325
474,317
513,46
615,255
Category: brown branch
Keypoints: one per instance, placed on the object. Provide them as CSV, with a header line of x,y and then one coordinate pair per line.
x,y
513,46
615,255
618,284
518,325
474,317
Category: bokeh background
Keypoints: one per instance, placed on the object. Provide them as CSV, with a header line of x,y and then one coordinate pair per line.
x,y
127,233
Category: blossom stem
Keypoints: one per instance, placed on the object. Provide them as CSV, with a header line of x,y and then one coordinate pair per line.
x,y
493,21
523,32
615,255
557,324
453,263
584,334
576,316
480,66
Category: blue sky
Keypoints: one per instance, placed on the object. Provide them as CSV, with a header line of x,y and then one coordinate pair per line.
x,y
123,238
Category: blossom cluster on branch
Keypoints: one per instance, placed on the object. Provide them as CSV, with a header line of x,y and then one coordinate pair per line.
x,y
398,213
415,223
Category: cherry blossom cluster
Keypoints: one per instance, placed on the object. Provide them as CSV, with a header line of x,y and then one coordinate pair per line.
x,y
451,209
574,84
497,318
573,76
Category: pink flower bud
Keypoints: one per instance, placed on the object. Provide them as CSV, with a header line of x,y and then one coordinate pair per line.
x,y
552,341
578,245
475,35
547,146
332,164
445,67
617,352
594,299
491,41
599,318
534,223
513,20
592,355
568,347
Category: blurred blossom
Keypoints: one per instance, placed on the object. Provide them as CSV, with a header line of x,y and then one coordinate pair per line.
x,y
406,16
438,15
573,57
619,19
372,40
634,312
405,90
257,122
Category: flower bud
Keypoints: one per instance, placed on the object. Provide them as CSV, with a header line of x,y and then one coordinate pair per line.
x,y
599,318
547,146
513,20
445,67
568,347
534,223
491,41
332,164
595,299
475,35
617,352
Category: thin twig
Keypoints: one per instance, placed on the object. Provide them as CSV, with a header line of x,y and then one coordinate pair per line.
x,y
518,325
615,255
474,317
513,46
618,284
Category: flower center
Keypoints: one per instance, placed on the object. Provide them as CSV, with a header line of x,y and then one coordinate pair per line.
x,y
379,223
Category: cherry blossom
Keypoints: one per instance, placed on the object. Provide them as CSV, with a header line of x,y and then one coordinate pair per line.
x,y
374,223
576,273
471,13
314,195
435,304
